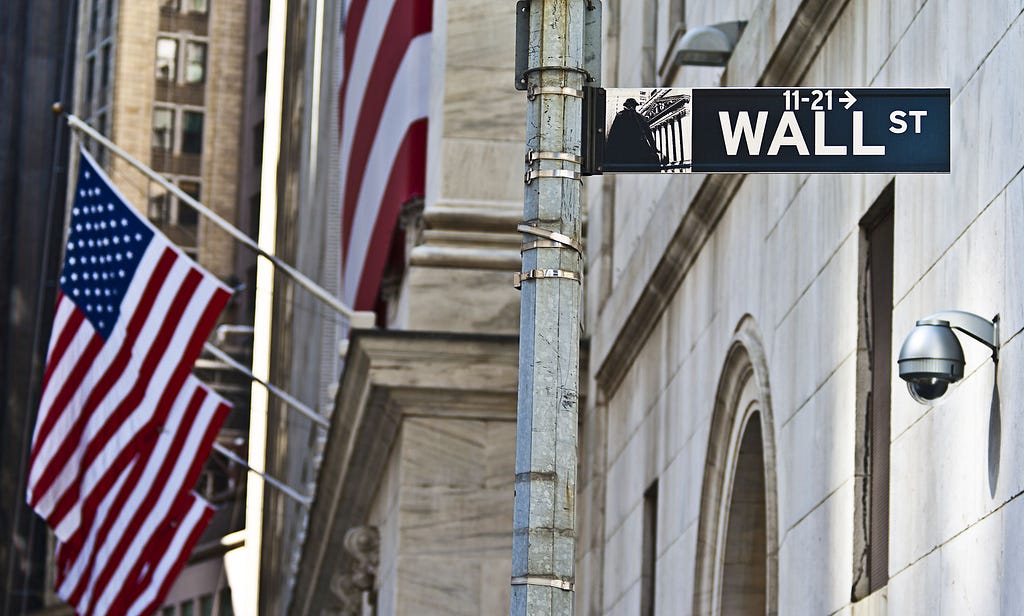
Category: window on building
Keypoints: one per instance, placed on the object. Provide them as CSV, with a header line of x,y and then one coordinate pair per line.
x,y
192,132
745,555
187,215
104,67
102,154
167,611
94,19
110,9
874,396
197,6
649,549
880,264
159,206
166,59
195,62
90,82
257,145
163,129
170,5
185,608
224,607
206,605
261,73
254,216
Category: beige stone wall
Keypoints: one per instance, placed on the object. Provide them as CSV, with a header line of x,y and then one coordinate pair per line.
x,y
444,511
225,85
785,250
133,85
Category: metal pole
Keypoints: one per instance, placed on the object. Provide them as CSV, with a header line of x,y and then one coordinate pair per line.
x,y
544,537
357,319
305,501
289,399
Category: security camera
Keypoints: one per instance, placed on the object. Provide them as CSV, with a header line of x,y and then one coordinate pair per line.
x,y
931,358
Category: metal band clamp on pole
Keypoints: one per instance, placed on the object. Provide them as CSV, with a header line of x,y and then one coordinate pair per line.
x,y
538,274
534,580
571,69
564,174
534,90
558,238
533,156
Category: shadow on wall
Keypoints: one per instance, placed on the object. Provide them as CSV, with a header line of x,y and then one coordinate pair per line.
x,y
995,434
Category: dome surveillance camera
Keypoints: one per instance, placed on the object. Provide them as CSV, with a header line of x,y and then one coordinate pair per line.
x,y
932,359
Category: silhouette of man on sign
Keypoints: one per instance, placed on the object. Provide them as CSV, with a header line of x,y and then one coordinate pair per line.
x,y
630,141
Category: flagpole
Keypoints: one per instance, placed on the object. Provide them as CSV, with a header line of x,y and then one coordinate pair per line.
x,y
357,319
305,501
317,418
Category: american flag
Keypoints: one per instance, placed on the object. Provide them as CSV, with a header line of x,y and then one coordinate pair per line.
x,y
123,562
382,107
132,315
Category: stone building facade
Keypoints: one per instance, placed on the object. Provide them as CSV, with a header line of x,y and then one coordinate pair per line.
x,y
749,447
746,445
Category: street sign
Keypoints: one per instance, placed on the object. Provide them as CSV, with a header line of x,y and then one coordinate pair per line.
x,y
767,130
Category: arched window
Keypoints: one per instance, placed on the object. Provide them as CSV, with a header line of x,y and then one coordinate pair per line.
x,y
737,541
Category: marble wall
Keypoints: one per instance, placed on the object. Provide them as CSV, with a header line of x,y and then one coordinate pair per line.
x,y
785,250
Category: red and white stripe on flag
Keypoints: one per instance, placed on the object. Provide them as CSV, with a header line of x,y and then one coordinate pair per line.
x,y
132,315
382,111
124,559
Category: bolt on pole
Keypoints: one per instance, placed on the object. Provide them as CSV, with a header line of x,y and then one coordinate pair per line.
x,y
544,537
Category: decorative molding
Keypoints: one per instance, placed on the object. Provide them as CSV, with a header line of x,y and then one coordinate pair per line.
x,y
746,365
362,543
469,218
465,258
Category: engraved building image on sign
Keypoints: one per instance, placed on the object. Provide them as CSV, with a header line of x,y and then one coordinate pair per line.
x,y
648,129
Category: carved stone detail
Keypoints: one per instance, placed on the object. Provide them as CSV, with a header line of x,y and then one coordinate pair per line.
x,y
362,543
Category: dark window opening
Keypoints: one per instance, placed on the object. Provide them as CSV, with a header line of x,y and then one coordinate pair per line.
x,y
104,68
744,569
192,132
257,145
648,564
879,270
874,396
187,215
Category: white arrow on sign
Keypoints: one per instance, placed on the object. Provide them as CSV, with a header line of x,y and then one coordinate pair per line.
x,y
849,99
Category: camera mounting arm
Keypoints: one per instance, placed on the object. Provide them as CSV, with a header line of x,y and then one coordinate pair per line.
x,y
977,327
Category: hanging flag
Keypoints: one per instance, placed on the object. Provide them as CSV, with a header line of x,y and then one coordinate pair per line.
x,y
382,106
125,557
132,315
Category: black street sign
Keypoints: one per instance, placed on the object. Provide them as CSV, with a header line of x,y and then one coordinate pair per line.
x,y
767,130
